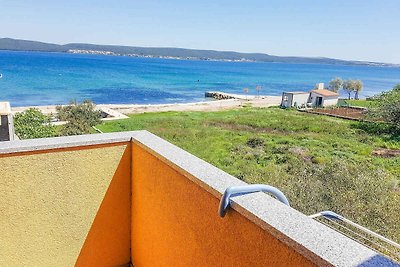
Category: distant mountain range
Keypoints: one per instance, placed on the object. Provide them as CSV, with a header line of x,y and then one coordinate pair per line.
x,y
166,52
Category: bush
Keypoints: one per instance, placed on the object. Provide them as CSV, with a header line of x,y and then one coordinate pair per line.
x,y
80,117
255,142
388,108
32,123
363,194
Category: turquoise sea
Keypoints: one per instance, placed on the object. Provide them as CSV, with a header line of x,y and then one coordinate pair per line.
x,y
32,78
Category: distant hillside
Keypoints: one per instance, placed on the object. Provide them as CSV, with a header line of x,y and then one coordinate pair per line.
x,y
23,45
178,53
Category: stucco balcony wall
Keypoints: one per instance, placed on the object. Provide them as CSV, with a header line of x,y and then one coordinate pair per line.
x,y
133,198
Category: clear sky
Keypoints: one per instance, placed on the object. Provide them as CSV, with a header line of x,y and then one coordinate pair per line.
x,y
346,29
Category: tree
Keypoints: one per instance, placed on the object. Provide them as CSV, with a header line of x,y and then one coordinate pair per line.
x,y
357,87
32,123
387,107
80,117
348,87
353,86
336,84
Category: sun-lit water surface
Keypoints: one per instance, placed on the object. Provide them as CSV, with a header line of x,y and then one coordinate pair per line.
x,y
31,78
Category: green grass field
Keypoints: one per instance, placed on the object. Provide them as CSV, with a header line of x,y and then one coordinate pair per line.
x,y
361,103
318,162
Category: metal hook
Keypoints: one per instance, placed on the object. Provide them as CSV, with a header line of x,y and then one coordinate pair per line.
x,y
327,214
248,189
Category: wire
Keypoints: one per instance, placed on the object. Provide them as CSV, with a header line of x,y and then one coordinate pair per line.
x,y
382,247
337,230
363,237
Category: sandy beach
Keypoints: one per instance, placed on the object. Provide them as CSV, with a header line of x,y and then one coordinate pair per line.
x,y
119,111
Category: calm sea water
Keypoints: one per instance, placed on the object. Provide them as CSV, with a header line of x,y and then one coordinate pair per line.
x,y
31,78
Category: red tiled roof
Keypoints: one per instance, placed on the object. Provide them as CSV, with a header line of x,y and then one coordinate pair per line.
x,y
325,92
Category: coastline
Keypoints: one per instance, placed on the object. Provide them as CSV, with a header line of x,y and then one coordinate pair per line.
x,y
111,54
119,111
176,53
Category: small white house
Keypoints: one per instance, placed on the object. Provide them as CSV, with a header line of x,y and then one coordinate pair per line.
x,y
294,99
323,98
319,97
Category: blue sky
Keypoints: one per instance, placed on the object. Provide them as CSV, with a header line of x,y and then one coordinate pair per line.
x,y
359,30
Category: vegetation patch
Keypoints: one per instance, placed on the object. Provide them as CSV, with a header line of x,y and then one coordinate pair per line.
x,y
387,108
360,103
341,112
80,117
242,127
32,123
255,142
386,153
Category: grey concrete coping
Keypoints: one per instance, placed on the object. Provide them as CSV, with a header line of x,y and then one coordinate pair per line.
x,y
317,242
65,142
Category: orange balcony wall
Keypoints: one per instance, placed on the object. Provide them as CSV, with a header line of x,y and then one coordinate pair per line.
x,y
175,223
134,199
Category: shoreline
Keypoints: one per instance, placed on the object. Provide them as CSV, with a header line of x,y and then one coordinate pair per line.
x,y
275,59
119,111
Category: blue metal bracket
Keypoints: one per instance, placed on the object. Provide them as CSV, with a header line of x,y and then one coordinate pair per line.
x,y
234,191
328,214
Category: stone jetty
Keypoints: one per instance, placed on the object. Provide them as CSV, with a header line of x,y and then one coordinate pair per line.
x,y
222,95
219,95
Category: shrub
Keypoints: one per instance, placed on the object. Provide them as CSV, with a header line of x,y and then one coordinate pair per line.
x,y
32,123
80,117
388,108
363,194
255,142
